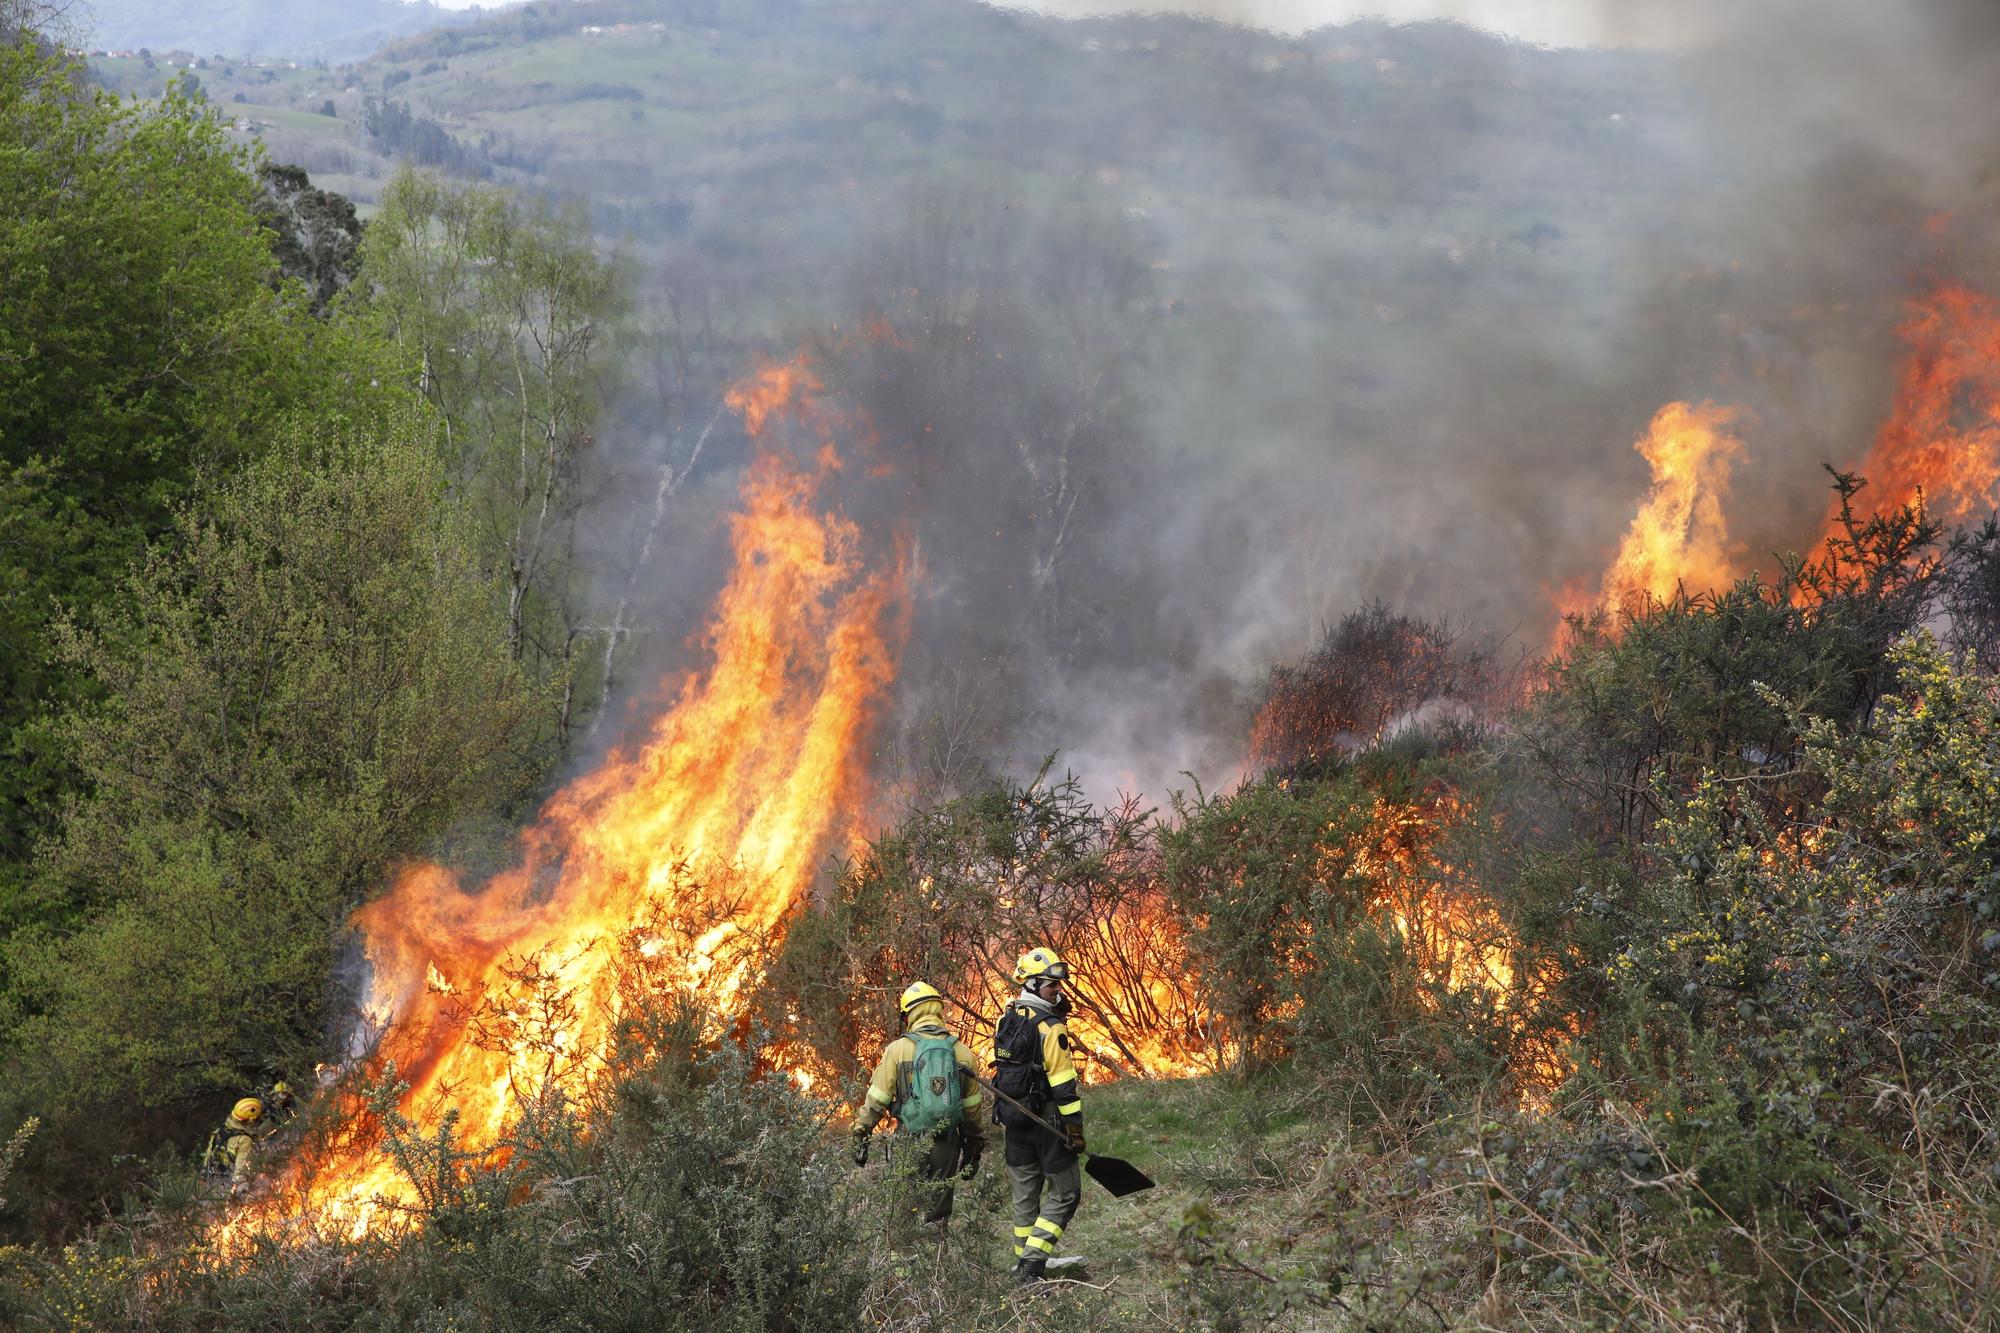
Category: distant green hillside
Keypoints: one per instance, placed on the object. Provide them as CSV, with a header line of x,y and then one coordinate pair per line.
x,y
1344,196
772,138
1303,232
298,29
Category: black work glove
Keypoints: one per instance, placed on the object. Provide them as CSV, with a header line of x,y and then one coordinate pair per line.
x,y
969,1166
1073,1135
860,1147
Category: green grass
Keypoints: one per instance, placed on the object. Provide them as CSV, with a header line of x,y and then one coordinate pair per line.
x,y
305,122
1203,1141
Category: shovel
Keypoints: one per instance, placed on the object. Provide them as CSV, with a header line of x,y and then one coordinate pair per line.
x,y
1114,1173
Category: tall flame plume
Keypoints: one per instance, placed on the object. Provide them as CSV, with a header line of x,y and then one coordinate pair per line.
x,y
1679,538
1940,446
1938,450
691,846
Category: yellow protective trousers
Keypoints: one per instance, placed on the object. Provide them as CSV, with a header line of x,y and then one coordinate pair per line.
x,y
1047,1182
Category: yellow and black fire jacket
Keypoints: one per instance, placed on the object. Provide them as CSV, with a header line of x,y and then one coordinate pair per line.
x,y
891,1081
231,1149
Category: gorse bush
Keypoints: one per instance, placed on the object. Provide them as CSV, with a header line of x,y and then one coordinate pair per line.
x,y
687,1191
1332,922
1715,681
1782,1112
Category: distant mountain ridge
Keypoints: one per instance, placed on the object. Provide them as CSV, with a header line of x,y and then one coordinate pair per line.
x,y
334,30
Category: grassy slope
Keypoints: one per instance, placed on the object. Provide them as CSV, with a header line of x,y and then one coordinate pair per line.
x,y
1264,1160
1241,1150
773,133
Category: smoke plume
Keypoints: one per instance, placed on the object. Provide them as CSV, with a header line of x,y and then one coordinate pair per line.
x,y
1397,340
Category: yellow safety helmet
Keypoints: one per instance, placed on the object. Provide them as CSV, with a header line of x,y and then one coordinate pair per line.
x,y
281,1087
1039,964
915,994
248,1111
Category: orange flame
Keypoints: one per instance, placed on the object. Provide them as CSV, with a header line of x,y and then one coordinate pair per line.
x,y
1454,932
1679,538
777,388
689,849
1941,443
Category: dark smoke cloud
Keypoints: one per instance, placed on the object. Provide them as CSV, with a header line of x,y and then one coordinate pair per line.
x,y
1425,390
1851,151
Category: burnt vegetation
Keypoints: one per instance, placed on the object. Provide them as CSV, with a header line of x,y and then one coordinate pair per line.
x,y
1375,676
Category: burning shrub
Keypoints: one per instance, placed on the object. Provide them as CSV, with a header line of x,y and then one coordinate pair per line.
x,y
1639,705
1372,674
690,1190
1317,920
1326,927
959,890
1801,1042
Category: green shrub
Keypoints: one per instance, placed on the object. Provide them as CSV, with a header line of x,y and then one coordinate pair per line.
x,y
689,1190
1308,908
1790,1090
1665,691
311,683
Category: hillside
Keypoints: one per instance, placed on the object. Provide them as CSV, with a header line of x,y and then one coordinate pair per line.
x,y
296,29
1305,218
1415,263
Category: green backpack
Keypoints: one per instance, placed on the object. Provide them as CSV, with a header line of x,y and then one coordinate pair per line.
x,y
934,1101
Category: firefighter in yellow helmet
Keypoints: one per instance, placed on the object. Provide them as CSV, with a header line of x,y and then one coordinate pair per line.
x,y
1032,1065
281,1104
231,1147
926,1078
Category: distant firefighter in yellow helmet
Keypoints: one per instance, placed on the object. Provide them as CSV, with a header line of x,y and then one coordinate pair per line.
x,y
282,1102
1032,1066
927,1080
232,1147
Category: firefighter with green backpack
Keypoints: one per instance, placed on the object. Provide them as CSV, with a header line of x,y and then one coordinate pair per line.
x,y
927,1079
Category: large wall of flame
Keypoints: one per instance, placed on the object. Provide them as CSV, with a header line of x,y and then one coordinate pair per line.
x,y
688,845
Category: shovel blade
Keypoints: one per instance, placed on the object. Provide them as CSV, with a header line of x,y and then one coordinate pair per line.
x,y
1117,1175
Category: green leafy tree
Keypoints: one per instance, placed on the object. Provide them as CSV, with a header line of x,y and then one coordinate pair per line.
x,y
308,683
143,355
508,316
315,233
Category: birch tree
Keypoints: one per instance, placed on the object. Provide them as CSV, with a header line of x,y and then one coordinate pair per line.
x,y
509,318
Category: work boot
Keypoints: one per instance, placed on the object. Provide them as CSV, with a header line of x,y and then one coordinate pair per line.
x,y
1029,1270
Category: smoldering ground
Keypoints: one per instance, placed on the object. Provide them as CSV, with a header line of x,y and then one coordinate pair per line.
x,y
1147,438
